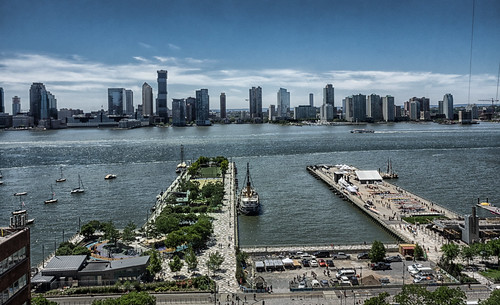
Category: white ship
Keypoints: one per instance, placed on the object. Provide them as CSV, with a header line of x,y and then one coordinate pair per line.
x,y
248,201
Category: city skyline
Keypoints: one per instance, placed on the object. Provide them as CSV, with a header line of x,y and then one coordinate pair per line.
x,y
416,50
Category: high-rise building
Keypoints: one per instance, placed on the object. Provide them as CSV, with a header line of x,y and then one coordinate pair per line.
x,y
147,100
304,112
415,110
355,108
178,112
190,109
116,101
202,107
388,108
329,95
327,112
374,107
161,101
283,100
2,101
255,99
223,105
15,265
43,104
311,99
448,106
271,113
16,105
129,102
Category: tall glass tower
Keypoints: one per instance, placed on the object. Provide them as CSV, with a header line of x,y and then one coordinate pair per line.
x,y
161,101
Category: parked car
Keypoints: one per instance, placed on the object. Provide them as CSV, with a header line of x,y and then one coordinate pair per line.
x,y
364,255
324,283
414,267
302,285
393,259
322,254
354,280
381,266
313,263
384,280
321,262
305,263
341,255
330,263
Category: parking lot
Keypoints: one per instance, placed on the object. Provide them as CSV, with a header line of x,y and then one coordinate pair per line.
x,y
307,277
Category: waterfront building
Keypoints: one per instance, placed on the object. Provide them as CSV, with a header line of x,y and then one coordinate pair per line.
x,y
223,114
311,99
414,110
374,107
304,112
329,95
355,108
178,112
327,112
271,113
440,107
2,101
465,117
65,113
397,112
116,101
424,103
388,109
16,105
255,99
283,100
15,264
448,106
161,100
43,104
202,106
474,111
129,104
147,100
190,109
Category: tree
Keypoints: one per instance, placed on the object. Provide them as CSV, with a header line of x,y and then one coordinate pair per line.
x,y
413,295
81,250
39,300
191,260
494,299
167,224
418,252
175,239
378,300
483,250
110,232
175,264
467,253
132,298
64,250
450,252
377,252
129,232
448,296
154,265
87,230
494,247
215,260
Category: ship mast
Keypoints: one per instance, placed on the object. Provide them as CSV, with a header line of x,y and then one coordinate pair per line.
x,y
249,186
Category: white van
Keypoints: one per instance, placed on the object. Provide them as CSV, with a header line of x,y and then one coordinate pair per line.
x,y
420,270
345,272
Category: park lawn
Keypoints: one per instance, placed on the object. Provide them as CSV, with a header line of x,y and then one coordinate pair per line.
x,y
210,172
492,274
421,219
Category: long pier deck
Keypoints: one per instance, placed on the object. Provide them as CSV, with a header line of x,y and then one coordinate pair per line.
x,y
386,204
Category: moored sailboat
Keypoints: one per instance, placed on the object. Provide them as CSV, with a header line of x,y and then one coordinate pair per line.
x,y
248,200
79,189
52,199
62,179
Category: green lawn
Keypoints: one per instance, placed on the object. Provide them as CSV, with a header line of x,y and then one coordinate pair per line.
x,y
492,274
421,219
209,172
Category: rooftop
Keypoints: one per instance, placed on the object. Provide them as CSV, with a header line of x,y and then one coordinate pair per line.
x,y
65,263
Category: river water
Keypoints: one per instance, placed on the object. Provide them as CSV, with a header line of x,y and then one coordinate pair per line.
x,y
451,165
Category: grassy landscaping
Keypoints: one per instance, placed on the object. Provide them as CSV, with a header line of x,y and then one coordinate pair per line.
x,y
422,219
492,274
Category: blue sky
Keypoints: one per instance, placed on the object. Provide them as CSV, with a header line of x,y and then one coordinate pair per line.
x,y
78,49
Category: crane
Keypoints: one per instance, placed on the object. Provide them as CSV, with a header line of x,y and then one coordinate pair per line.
x,y
488,100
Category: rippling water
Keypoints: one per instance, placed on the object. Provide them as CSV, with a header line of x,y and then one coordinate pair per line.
x,y
450,165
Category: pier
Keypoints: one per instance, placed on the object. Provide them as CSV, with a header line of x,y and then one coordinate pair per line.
x,y
385,203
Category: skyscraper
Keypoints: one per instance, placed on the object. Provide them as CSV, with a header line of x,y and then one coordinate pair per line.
x,y
374,107
311,99
43,104
223,105
355,108
129,102
2,101
16,105
202,107
255,99
161,101
147,100
329,95
283,100
448,106
178,112
190,109
116,100
388,108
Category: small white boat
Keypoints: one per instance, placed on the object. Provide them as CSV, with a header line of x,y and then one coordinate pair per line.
x,y
79,189
109,177
51,200
62,179
21,194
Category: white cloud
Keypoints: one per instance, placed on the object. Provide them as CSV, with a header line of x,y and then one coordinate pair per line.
x,y
80,83
145,45
173,47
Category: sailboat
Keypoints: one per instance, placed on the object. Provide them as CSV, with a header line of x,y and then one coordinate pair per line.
x,y
181,166
51,200
62,179
23,211
248,201
390,174
80,188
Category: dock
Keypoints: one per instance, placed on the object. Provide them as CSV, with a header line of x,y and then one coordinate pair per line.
x,y
385,203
